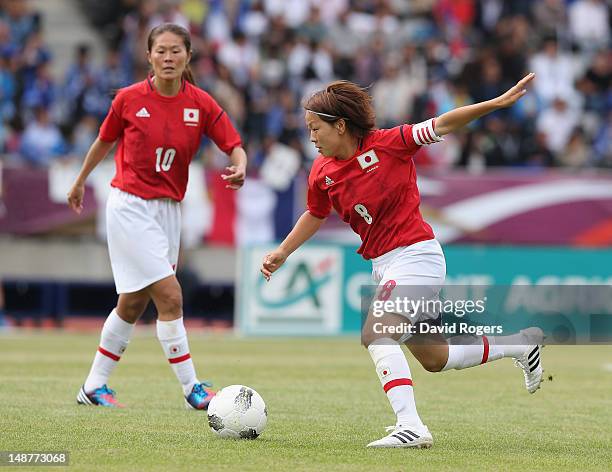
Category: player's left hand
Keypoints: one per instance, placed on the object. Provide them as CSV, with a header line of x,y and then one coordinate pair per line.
x,y
515,93
235,178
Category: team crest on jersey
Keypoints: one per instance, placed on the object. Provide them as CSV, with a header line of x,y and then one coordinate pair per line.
x,y
329,181
191,116
368,159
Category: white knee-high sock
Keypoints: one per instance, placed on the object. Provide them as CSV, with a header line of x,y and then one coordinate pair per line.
x,y
173,339
470,351
394,374
114,339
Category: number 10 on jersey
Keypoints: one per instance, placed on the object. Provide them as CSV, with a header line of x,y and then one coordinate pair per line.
x,y
163,163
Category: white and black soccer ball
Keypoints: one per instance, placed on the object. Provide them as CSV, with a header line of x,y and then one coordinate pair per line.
x,y
237,412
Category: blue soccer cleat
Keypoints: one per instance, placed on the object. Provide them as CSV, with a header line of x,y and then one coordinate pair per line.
x,y
102,396
200,396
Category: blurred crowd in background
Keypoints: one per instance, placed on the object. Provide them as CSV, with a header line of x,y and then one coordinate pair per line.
x,y
260,58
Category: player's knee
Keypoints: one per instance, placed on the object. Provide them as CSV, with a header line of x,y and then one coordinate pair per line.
x,y
131,309
172,304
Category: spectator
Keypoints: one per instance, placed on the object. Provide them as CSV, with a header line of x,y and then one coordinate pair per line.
x,y
313,28
7,89
589,23
79,79
34,54
558,123
239,56
8,48
106,80
41,91
554,71
394,94
550,15
254,22
536,151
422,57
23,22
42,141
576,153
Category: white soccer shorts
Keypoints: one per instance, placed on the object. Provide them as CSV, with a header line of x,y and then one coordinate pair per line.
x,y
143,239
416,272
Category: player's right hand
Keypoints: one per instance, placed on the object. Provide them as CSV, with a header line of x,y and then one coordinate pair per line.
x,y
272,262
75,198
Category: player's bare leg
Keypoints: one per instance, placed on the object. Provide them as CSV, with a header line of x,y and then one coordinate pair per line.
x,y
168,299
131,306
431,351
114,339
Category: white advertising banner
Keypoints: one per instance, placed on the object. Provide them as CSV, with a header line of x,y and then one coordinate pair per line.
x,y
302,298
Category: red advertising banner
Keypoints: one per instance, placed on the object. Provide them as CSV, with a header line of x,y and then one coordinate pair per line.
x,y
497,207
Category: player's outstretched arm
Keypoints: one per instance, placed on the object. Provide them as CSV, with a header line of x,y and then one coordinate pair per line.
x,y
303,230
98,151
459,117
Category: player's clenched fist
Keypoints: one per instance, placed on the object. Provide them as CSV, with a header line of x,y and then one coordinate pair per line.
x,y
272,262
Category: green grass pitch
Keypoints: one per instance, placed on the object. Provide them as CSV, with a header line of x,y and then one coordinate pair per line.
x,y
324,401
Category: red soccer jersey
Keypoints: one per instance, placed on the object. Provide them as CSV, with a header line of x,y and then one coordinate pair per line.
x,y
375,191
158,137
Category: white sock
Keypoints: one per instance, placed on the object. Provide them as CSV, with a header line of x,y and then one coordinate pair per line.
x,y
173,339
114,340
394,374
470,351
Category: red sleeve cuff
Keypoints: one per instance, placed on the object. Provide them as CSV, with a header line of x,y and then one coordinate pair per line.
x,y
320,216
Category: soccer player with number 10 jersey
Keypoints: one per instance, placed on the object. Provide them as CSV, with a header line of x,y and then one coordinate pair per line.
x,y
158,125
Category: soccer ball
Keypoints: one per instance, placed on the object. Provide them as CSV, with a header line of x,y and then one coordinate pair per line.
x,y
237,412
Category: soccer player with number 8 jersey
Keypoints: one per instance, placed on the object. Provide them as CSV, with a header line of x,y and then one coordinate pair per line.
x,y
368,176
158,125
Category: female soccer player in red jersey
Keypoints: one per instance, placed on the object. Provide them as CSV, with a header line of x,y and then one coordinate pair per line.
x,y
158,124
368,176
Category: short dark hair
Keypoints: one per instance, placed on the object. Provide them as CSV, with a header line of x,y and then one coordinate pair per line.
x,y
344,100
179,31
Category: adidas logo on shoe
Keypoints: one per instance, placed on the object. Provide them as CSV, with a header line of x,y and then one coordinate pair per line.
x,y
401,436
143,113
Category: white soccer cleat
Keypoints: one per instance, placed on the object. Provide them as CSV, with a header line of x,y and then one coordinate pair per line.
x,y
530,361
405,436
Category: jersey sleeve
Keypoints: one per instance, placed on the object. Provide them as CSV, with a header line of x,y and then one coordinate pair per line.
x,y
219,127
407,139
317,201
112,126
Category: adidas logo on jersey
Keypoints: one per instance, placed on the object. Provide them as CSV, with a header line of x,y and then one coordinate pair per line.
x,y
143,113
329,182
